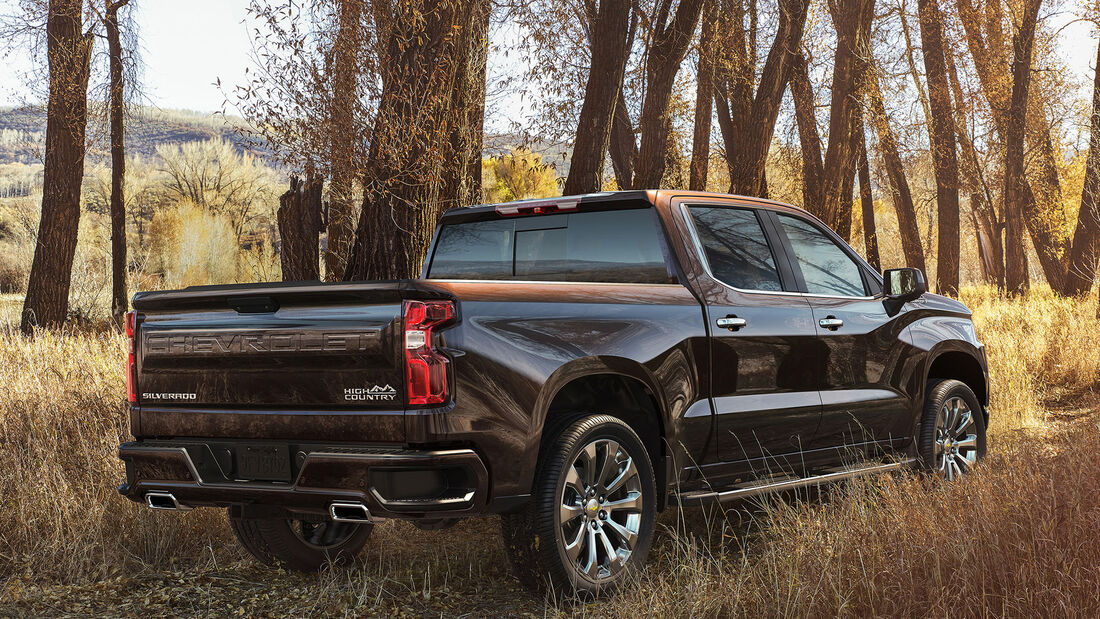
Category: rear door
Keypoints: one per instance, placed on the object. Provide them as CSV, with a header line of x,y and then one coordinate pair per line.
x,y
862,399
765,355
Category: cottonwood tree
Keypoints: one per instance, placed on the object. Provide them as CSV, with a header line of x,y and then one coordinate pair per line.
x,y
1086,236
941,133
610,40
704,98
116,109
68,51
748,108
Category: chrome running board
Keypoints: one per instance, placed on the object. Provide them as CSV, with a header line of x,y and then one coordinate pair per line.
x,y
755,488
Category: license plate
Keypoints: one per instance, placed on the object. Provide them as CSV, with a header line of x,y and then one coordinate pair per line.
x,y
263,463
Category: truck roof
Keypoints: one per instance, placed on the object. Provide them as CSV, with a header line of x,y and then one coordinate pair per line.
x,y
559,204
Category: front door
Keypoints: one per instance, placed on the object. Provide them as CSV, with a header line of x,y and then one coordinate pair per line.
x,y
862,401
765,356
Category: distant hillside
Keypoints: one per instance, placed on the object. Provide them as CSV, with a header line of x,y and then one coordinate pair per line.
x,y
23,132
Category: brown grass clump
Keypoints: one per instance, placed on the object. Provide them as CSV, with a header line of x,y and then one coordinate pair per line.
x,y
1019,538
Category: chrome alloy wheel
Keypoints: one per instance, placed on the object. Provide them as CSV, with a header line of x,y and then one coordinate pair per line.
x,y
323,535
600,509
956,439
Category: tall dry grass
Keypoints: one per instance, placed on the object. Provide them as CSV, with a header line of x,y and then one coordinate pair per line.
x,y
1018,538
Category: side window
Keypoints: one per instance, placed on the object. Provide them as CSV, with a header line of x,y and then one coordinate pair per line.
x,y
736,248
477,250
826,268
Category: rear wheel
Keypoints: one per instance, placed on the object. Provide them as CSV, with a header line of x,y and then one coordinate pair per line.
x,y
592,514
952,438
300,544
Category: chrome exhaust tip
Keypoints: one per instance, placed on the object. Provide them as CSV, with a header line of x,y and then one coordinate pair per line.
x,y
164,500
343,511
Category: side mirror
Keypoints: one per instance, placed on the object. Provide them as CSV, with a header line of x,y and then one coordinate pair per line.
x,y
904,284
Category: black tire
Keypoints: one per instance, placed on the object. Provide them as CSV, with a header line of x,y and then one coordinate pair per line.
x,y
952,432
558,516
300,545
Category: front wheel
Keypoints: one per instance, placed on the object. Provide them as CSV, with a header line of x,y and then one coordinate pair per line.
x,y
299,544
952,437
592,513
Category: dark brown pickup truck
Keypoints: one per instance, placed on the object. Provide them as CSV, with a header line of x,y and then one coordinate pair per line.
x,y
574,365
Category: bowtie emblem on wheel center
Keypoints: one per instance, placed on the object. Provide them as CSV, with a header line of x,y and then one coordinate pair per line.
x,y
592,507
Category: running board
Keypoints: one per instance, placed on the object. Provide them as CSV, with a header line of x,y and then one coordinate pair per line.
x,y
762,487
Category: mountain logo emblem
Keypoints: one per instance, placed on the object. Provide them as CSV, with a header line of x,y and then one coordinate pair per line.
x,y
377,393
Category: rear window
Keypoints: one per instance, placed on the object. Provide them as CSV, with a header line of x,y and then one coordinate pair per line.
x,y
620,246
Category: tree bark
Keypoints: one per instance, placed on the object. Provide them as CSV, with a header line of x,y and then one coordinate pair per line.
x,y
748,122
813,170
704,99
116,103
408,159
462,182
1086,236
1016,275
299,221
610,32
867,207
852,20
941,137
670,43
342,137
68,52
624,148
895,172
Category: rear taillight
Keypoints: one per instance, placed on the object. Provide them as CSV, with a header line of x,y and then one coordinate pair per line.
x,y
131,366
425,369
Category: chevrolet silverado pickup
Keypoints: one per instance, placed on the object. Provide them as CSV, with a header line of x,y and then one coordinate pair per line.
x,y
573,365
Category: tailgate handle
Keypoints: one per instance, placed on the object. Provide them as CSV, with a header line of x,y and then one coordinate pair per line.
x,y
254,305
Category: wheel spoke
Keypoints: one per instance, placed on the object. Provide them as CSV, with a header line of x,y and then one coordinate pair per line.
x,y
591,566
588,457
573,480
626,536
614,561
632,503
970,441
964,423
626,475
610,465
573,549
567,512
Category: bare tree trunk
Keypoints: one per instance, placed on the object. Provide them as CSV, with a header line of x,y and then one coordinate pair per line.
x,y
852,19
670,44
624,148
813,170
68,52
408,160
1016,275
119,293
299,220
748,127
610,32
462,181
342,138
895,172
1086,236
867,206
704,99
941,134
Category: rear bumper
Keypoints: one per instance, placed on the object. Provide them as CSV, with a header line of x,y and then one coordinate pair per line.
x,y
392,482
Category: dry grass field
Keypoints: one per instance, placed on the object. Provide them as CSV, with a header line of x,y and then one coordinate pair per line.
x,y
1019,538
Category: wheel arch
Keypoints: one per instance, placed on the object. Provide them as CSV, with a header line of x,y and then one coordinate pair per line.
x,y
963,366
613,386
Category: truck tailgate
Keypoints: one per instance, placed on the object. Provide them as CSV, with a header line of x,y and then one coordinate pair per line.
x,y
280,351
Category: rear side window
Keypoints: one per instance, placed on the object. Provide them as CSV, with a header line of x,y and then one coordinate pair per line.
x,y
620,246
826,267
736,248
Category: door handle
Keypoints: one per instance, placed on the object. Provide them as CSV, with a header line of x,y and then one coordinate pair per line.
x,y
732,322
831,323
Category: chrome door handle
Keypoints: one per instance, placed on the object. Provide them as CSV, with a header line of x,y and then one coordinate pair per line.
x,y
831,323
732,323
